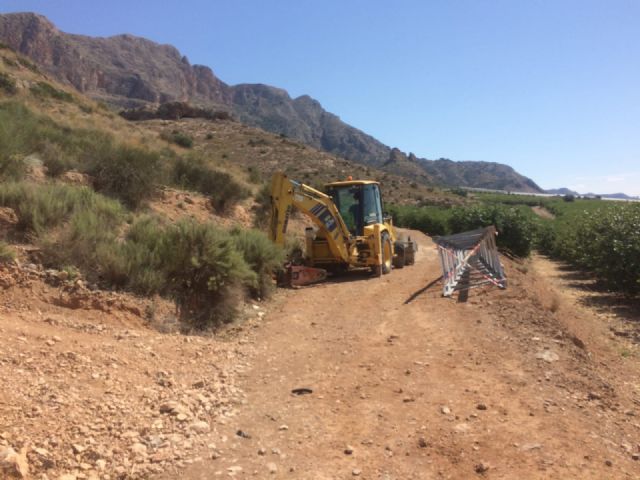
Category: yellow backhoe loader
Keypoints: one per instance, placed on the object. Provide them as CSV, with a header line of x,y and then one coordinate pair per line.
x,y
350,229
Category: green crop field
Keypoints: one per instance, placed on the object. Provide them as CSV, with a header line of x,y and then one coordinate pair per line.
x,y
599,236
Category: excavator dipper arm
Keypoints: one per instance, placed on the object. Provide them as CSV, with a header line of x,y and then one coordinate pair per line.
x,y
287,194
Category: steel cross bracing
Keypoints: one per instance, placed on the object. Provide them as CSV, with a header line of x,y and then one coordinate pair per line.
x,y
470,259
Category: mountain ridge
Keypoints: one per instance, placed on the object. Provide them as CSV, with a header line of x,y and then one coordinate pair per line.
x,y
129,71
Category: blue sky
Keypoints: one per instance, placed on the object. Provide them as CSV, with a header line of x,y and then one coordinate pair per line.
x,y
549,87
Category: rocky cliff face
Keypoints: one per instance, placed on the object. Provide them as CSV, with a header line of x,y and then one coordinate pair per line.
x,y
304,119
130,71
123,69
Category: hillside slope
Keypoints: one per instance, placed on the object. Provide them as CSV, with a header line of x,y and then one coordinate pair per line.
x,y
128,71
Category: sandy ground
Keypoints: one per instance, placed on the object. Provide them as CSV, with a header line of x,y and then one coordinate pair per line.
x,y
536,381
518,383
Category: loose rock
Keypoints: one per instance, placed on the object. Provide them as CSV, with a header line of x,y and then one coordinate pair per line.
x,y
13,464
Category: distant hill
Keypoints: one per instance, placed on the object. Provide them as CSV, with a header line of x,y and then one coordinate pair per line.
x,y
566,191
619,196
129,71
561,191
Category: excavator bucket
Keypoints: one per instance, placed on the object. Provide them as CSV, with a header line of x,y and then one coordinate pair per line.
x,y
300,275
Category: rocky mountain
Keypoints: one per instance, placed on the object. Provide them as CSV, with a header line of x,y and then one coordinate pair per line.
x,y
123,69
129,71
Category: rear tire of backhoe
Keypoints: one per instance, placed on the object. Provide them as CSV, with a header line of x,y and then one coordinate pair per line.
x,y
387,256
387,252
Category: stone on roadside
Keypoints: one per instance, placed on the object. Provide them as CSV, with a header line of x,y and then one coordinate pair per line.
x,y
272,467
77,448
200,427
13,464
139,449
548,356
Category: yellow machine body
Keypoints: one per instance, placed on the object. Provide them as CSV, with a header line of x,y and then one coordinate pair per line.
x,y
350,229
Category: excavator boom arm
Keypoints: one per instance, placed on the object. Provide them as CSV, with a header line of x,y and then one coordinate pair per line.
x,y
287,194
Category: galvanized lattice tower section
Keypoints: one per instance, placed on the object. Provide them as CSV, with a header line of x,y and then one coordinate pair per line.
x,y
469,260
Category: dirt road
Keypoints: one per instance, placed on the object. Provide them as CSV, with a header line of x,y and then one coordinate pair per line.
x,y
511,384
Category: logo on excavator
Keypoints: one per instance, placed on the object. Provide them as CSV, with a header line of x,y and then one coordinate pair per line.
x,y
325,217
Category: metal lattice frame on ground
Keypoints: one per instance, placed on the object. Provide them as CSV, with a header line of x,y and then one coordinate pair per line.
x,y
469,260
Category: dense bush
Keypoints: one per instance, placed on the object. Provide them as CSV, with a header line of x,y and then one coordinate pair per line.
x,y
122,171
431,220
193,173
6,253
42,207
605,241
203,268
128,173
179,138
200,266
516,229
23,133
262,255
55,160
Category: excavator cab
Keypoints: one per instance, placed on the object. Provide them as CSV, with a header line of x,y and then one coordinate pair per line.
x,y
359,204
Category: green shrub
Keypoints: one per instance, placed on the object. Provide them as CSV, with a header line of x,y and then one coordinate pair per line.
x,y
45,206
46,90
516,229
198,265
127,173
23,133
263,256
7,254
461,192
262,208
193,173
203,267
429,219
608,243
178,138
55,160
7,84
12,166
254,175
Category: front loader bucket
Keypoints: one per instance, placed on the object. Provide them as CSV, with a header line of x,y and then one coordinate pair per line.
x,y
301,275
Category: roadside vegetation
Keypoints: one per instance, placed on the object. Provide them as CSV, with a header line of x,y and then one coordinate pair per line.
x,y
103,231
598,236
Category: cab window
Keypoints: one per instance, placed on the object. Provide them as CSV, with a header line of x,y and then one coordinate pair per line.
x,y
372,206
